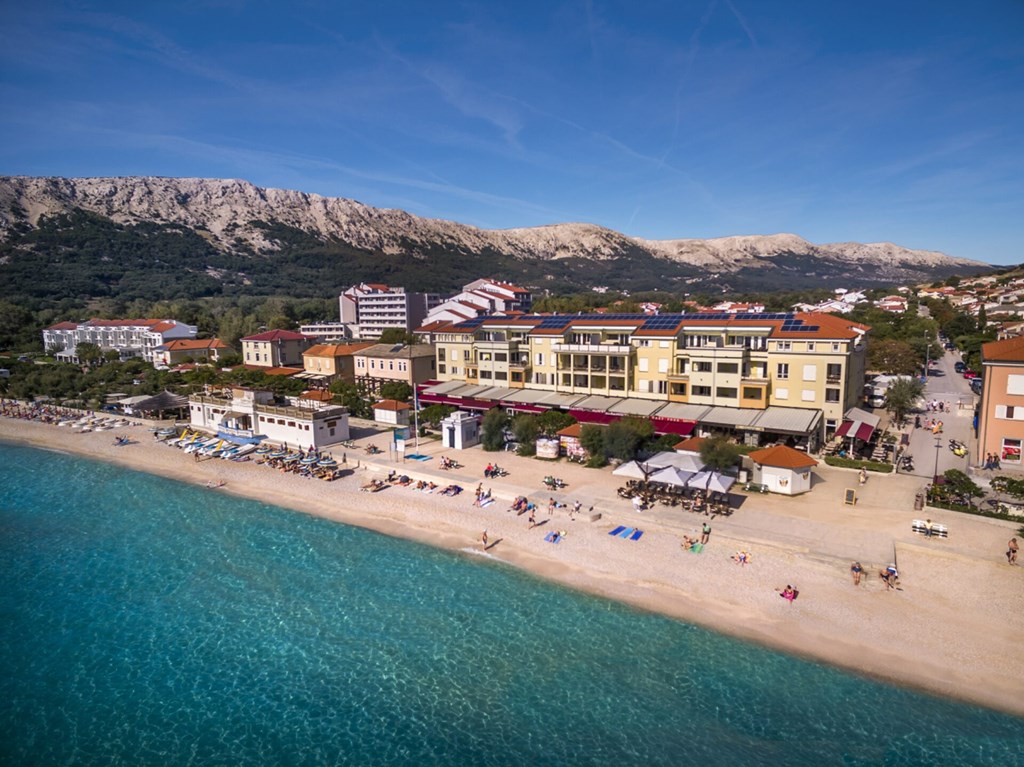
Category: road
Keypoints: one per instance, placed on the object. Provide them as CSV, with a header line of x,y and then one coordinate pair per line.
x,y
948,386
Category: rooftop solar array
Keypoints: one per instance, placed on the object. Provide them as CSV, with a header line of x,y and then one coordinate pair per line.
x,y
790,322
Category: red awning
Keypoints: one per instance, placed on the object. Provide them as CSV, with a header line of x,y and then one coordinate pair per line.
x,y
857,429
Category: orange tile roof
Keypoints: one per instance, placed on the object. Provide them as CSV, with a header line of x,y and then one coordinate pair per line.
x,y
693,444
317,396
782,457
335,350
572,430
187,344
1009,350
391,404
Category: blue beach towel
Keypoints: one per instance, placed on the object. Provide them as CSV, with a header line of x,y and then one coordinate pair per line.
x,y
627,532
617,530
636,536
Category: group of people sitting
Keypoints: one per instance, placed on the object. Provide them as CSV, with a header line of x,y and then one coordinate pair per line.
x,y
447,463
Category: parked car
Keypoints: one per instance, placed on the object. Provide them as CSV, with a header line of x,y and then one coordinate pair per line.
x,y
969,374
949,347
976,385
959,367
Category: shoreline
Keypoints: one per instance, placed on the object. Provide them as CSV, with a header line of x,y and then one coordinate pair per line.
x,y
955,631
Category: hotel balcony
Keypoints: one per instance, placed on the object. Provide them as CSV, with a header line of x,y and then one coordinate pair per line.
x,y
593,348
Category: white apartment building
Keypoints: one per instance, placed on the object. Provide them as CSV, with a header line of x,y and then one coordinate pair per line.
x,y
129,338
370,309
484,296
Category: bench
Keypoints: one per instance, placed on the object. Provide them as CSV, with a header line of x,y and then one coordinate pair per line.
x,y
938,531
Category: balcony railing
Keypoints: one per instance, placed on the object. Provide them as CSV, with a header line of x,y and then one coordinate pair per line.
x,y
593,348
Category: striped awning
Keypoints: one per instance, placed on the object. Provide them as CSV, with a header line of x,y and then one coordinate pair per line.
x,y
856,429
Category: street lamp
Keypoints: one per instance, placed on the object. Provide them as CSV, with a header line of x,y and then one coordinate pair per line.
x,y
938,447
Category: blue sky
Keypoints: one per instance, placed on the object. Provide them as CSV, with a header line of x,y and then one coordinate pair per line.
x,y
869,121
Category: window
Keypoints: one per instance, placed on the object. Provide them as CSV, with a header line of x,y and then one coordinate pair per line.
x,y
440,353
643,385
1015,384
784,346
782,371
808,395
730,368
662,366
642,365
644,343
441,368
701,391
810,372
810,346
837,347
782,394
1011,450
702,367
752,392
485,373
833,372
1010,412
539,358
725,392
663,344
831,395
662,387
679,389
501,375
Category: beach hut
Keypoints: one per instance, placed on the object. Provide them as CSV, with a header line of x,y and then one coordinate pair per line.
x,y
783,469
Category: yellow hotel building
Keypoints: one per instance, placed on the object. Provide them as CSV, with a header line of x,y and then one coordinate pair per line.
x,y
750,372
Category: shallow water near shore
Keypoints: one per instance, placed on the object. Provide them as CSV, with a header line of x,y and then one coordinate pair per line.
x,y
150,622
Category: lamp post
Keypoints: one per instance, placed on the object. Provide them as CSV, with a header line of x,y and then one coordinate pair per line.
x,y
935,474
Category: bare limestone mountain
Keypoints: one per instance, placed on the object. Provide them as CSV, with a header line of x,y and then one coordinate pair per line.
x,y
237,233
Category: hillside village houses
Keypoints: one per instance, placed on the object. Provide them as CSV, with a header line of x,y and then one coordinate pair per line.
x,y
763,376
129,338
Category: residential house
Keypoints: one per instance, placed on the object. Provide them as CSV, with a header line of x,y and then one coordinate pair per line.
x,y
386,363
1001,412
325,363
275,349
183,349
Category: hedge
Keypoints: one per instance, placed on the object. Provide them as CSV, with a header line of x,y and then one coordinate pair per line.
x,y
853,463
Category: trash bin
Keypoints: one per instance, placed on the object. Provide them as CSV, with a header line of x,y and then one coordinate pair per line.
x,y
919,502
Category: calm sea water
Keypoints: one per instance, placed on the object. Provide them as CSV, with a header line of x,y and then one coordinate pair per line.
x,y
148,623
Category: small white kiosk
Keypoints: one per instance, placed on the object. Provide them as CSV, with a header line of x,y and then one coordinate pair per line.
x,y
460,430
782,469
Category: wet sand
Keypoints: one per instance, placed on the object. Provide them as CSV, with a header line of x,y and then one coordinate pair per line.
x,y
955,629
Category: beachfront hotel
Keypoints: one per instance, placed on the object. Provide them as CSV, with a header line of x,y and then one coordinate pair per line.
x,y
129,338
766,377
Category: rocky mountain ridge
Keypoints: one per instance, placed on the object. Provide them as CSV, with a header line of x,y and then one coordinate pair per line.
x,y
238,217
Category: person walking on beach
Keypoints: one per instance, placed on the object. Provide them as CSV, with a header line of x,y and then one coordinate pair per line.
x,y
1011,551
863,475
856,570
705,533
483,540
532,519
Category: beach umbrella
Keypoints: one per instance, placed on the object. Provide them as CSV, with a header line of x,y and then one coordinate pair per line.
x,y
635,470
689,463
712,481
670,475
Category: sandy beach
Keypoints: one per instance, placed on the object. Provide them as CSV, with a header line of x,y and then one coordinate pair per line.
x,y
956,628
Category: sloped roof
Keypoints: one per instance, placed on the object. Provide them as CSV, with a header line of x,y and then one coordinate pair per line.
x,y
572,430
188,344
334,350
391,404
782,457
691,445
165,400
278,335
1008,350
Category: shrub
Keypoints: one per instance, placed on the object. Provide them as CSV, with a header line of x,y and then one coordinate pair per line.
x,y
853,463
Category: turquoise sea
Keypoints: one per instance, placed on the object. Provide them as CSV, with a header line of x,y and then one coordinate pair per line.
x,y
148,623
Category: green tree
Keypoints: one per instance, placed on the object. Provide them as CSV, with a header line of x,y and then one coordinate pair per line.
x,y
592,440
960,484
526,428
353,397
901,397
553,421
88,353
432,415
892,357
623,437
492,430
396,390
982,320
719,453
398,336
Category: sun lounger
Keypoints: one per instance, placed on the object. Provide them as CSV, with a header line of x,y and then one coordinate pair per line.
x,y
938,531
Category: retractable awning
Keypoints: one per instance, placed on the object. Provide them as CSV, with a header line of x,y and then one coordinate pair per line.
x,y
856,429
